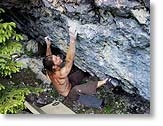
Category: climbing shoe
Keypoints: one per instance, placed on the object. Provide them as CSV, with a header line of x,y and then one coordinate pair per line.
x,y
112,82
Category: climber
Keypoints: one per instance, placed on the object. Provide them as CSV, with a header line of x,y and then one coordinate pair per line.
x,y
58,71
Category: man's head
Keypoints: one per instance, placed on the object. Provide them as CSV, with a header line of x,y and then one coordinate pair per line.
x,y
53,62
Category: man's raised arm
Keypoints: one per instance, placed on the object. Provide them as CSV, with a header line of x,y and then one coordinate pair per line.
x,y
48,49
71,49
70,53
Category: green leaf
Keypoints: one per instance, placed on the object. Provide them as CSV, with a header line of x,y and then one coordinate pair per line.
x,y
1,39
4,39
13,24
5,25
10,28
1,10
1,87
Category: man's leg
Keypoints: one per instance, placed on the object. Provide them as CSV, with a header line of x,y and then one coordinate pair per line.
x,y
87,88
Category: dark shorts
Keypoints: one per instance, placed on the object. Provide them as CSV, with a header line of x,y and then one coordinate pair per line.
x,y
77,89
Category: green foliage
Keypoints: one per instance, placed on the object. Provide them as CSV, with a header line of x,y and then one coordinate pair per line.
x,y
12,98
9,45
116,107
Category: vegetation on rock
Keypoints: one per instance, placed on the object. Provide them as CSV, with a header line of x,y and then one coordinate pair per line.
x,y
12,96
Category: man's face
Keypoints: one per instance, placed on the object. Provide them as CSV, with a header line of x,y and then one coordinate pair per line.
x,y
57,60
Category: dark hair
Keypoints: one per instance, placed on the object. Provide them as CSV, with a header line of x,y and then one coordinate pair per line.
x,y
48,63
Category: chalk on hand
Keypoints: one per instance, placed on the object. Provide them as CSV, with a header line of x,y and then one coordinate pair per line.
x,y
48,38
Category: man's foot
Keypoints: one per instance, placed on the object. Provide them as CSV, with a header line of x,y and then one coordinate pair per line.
x,y
112,82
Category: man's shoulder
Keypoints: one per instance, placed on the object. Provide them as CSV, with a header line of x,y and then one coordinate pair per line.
x,y
60,74
63,72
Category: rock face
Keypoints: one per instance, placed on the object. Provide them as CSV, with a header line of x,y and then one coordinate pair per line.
x,y
113,35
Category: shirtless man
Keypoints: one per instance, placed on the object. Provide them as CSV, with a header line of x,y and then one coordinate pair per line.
x,y
68,85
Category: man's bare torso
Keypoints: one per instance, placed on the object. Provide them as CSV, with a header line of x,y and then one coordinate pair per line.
x,y
61,84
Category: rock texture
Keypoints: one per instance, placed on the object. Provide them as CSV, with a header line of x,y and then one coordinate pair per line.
x,y
113,35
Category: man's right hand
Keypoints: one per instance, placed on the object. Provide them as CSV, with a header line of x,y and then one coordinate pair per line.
x,y
47,40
